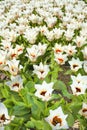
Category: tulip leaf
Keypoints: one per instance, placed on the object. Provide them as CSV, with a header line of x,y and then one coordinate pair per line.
x,y
21,110
70,120
59,85
38,124
29,86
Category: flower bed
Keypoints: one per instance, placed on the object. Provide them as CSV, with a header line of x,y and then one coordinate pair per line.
x,y
43,65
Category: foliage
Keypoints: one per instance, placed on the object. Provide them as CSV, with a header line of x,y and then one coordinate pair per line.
x,y
33,53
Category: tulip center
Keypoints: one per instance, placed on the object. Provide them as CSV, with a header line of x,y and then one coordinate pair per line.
x,y
33,55
74,66
43,93
58,50
0,63
13,55
60,59
84,110
16,85
56,120
70,51
78,90
13,68
41,71
2,118
78,81
20,49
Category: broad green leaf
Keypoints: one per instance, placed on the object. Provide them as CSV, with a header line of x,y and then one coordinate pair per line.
x,y
46,126
37,108
5,92
29,86
70,120
7,128
38,124
59,85
20,110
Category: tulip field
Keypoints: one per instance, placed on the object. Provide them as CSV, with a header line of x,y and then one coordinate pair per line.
x,y
43,65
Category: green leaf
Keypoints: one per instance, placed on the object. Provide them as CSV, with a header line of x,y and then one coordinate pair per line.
x,y
7,128
70,120
21,110
34,124
5,92
38,124
56,103
37,108
59,85
29,124
75,107
68,72
54,71
1,84
46,126
29,86
16,124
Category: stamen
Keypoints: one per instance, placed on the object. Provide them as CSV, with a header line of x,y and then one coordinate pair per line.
x,y
74,66
58,50
0,63
56,120
3,117
41,71
16,85
43,93
84,110
78,90
13,55
60,59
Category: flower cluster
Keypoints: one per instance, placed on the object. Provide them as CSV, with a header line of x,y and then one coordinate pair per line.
x,y
79,84
35,51
38,38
